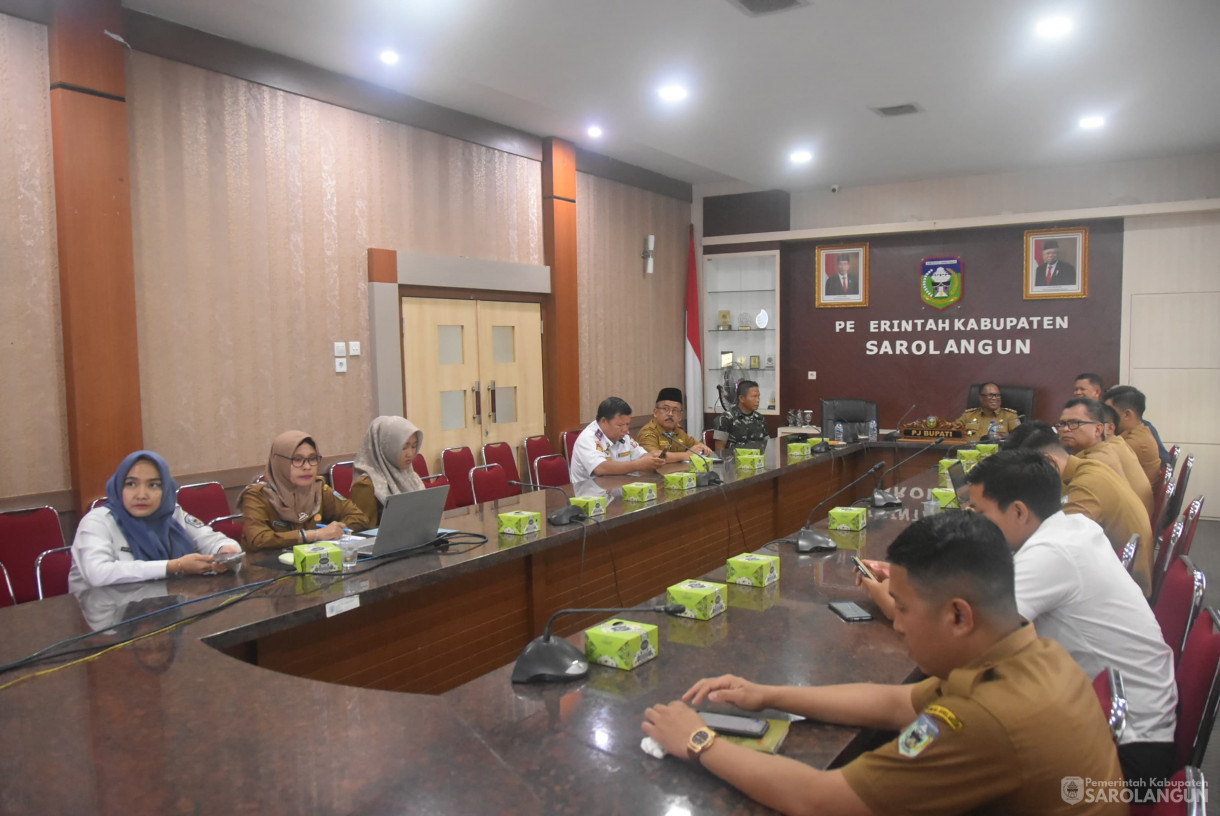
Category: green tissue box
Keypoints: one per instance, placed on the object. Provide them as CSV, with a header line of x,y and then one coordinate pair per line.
x,y
639,491
752,570
852,519
942,468
520,522
323,556
751,461
986,449
703,600
968,458
679,481
946,497
621,644
798,449
700,464
591,505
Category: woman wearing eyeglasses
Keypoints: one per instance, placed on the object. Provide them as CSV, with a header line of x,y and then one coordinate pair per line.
x,y
293,505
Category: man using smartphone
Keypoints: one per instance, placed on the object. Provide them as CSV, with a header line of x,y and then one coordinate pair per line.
x,y
1001,720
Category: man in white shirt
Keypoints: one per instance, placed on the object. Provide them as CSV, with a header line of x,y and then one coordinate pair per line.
x,y
605,447
1074,589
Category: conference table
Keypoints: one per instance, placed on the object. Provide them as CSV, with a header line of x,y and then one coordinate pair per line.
x,y
386,689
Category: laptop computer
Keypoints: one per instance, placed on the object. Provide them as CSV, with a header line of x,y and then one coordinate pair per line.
x,y
408,520
957,477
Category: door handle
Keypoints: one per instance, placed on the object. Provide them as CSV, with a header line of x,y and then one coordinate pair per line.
x,y
491,386
478,403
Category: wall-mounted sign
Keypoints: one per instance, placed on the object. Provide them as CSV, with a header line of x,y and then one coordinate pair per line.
x,y
940,281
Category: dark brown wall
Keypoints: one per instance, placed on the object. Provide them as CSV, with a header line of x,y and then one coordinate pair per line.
x,y
745,213
993,260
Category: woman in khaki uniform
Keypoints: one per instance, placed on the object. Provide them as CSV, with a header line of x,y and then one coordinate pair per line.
x,y
294,506
383,464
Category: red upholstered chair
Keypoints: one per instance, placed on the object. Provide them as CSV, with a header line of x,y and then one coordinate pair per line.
x,y
98,502
341,475
1198,680
457,464
436,480
207,502
709,438
6,588
51,570
1179,603
489,483
501,453
569,442
1160,504
1174,505
421,466
1174,452
1130,551
552,470
24,534
1163,555
1189,522
1113,698
536,446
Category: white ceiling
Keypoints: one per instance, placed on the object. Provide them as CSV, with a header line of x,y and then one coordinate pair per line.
x,y
994,96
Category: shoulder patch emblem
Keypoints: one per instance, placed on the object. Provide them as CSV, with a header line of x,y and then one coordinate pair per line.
x,y
918,736
948,717
191,520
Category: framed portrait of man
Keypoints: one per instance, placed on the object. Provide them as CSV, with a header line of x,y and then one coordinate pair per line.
x,y
1056,263
842,276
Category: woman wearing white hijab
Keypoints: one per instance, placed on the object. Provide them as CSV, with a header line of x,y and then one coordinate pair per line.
x,y
383,464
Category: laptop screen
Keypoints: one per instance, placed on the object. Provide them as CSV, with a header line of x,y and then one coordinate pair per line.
x,y
957,477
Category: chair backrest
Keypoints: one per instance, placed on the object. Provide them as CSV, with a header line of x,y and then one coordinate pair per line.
x,y
6,588
1189,522
1174,452
1198,680
205,501
853,413
1179,603
24,534
1113,698
552,470
1191,801
436,480
1160,504
709,438
99,501
1129,552
228,525
1179,488
341,475
501,453
1163,555
569,442
51,572
489,483
421,466
536,446
1019,398
456,463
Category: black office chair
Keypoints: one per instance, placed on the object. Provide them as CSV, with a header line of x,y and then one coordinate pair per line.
x,y
853,413
1019,398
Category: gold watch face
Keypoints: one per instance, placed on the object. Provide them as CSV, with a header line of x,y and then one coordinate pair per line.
x,y
701,739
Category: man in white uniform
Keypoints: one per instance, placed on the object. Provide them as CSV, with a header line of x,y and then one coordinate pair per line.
x,y
605,448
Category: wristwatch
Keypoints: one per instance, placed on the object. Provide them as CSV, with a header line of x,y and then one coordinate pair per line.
x,y
700,741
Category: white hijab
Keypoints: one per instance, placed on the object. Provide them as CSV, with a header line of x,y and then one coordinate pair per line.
x,y
381,451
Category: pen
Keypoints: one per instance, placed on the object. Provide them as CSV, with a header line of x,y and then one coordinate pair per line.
x,y
321,526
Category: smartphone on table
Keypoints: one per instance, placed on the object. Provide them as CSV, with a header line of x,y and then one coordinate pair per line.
x,y
849,611
736,726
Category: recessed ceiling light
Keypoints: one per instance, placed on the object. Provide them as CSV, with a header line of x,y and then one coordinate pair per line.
x,y
594,132
1092,122
389,57
800,157
672,93
1052,28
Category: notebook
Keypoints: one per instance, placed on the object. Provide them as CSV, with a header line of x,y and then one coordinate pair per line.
x,y
408,520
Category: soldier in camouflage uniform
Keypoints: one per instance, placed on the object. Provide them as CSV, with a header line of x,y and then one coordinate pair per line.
x,y
742,426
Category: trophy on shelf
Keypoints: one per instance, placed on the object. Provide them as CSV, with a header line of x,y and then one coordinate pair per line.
x,y
745,321
725,322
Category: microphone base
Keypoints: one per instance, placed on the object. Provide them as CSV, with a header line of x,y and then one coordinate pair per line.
x,y
884,498
809,540
568,514
893,436
552,660
705,478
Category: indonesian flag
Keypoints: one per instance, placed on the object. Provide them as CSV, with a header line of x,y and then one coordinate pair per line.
x,y
694,349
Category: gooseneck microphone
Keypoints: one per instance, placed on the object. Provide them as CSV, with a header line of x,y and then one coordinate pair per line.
x,y
884,498
897,432
702,478
568,514
811,540
547,659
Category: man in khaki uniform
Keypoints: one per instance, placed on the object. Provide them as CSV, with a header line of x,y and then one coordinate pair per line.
x,y
1082,426
666,416
1002,725
978,420
1129,403
1098,492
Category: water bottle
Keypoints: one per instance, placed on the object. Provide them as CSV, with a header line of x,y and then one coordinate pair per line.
x,y
838,430
993,430
872,430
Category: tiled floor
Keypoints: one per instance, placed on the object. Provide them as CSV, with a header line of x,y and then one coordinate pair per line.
x,y
1205,553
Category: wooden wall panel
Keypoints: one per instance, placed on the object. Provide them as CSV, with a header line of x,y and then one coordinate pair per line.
x,y
561,312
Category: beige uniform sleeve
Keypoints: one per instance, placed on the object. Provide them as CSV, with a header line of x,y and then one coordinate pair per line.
x,y
261,527
650,440
344,511
365,499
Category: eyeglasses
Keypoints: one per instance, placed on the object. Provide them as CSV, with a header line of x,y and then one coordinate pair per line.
x,y
667,410
302,462
985,395
1073,424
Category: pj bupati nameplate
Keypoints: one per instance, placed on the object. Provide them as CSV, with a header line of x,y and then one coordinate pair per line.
x,y
933,428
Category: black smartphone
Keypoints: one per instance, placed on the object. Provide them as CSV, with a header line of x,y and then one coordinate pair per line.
x,y
864,570
849,611
228,558
736,726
